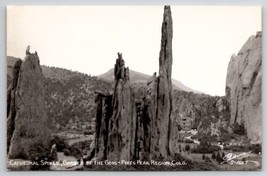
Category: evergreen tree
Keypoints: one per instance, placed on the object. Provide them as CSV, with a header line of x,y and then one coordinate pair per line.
x,y
203,157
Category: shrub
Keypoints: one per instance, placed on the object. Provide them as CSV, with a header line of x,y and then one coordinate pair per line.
x,y
256,148
213,156
180,140
207,159
223,154
236,148
205,147
187,147
239,129
66,152
188,141
38,154
88,132
219,159
60,143
76,152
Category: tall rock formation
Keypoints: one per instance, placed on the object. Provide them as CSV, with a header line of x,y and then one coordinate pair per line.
x,y
243,87
11,102
116,118
27,120
129,129
158,100
103,115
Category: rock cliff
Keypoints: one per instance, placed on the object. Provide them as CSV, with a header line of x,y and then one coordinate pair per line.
x,y
27,120
243,87
208,114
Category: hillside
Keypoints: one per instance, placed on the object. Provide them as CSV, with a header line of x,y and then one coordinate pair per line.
x,y
137,78
69,95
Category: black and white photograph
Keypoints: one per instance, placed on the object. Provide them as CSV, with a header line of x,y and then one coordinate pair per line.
x,y
134,88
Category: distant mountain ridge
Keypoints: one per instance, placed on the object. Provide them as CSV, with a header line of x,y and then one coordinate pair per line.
x,y
137,77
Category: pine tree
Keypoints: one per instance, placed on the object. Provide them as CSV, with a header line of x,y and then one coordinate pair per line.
x,y
203,157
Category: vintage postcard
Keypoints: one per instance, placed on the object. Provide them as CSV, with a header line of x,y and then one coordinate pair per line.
x,y
134,88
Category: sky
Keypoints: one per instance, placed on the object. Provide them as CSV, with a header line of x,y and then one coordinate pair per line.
x,y
87,38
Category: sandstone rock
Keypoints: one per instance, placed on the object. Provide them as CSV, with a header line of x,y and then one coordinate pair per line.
x,y
208,114
243,87
116,118
11,102
122,123
30,124
159,95
140,129
103,115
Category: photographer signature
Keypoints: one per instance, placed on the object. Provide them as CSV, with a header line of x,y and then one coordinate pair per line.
x,y
231,156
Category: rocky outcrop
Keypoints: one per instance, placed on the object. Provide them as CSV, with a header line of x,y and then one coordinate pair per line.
x,y
243,87
115,127
208,114
138,128
158,100
11,102
26,112
103,115
121,125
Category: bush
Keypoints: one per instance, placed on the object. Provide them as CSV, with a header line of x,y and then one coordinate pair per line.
x,y
205,147
187,147
256,148
88,132
213,156
38,154
82,145
66,152
219,159
180,140
60,143
203,157
236,148
239,129
76,152
188,141
223,154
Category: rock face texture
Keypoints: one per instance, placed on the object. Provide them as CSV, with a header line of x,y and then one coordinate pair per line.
x,y
129,128
11,102
116,119
243,87
205,113
135,129
121,125
158,100
27,120
103,115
